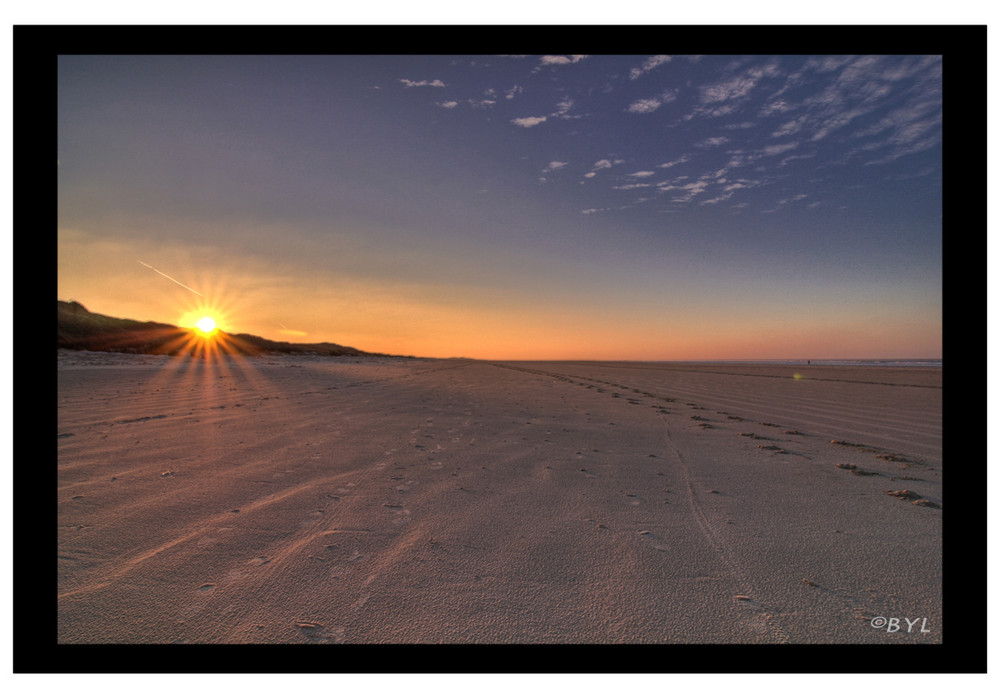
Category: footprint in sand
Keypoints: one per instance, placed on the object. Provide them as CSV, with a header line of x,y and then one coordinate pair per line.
x,y
856,471
317,632
202,595
914,498
403,515
654,540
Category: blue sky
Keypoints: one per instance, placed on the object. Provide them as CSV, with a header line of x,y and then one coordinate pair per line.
x,y
520,206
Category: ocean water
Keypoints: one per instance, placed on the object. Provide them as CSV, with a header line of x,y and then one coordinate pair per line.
x,y
840,362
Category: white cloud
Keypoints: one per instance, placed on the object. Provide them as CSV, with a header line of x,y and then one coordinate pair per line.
x,y
712,142
792,199
644,106
648,65
777,107
603,164
790,127
448,105
778,149
561,60
691,190
509,94
561,109
733,89
738,159
682,159
421,83
555,165
728,90
528,122
642,173
836,121
651,104
716,200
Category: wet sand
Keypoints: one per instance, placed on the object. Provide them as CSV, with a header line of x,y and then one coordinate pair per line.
x,y
377,500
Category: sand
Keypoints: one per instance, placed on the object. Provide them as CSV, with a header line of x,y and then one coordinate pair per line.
x,y
380,500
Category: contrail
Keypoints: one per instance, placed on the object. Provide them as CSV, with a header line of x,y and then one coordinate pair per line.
x,y
170,278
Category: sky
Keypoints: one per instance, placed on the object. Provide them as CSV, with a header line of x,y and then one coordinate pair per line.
x,y
620,207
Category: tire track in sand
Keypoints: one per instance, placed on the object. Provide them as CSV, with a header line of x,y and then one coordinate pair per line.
x,y
767,625
771,626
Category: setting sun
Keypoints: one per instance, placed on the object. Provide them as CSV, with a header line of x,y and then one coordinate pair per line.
x,y
206,325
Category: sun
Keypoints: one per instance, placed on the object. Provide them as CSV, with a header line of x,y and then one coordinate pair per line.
x,y
206,325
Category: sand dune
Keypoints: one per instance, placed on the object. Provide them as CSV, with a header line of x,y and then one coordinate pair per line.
x,y
378,500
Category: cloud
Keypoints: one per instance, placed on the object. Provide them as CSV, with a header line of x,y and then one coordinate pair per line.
x,y
448,105
644,106
563,107
733,88
642,173
690,190
712,142
837,95
421,83
790,127
724,97
913,127
560,113
561,60
603,164
648,65
835,121
778,149
555,165
686,190
509,94
651,104
682,159
792,199
779,106
721,198
528,122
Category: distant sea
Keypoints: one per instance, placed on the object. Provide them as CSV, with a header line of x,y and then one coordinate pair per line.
x,y
838,362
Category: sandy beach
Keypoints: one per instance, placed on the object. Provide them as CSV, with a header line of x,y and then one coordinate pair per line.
x,y
297,500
